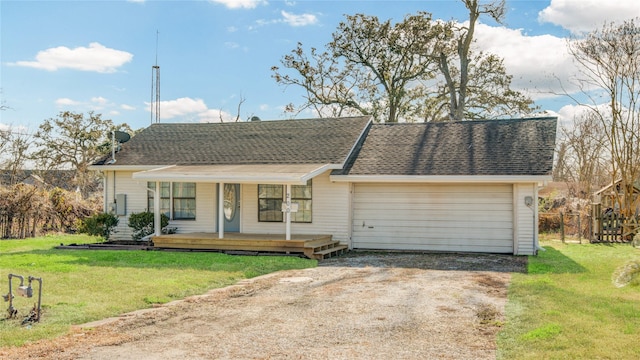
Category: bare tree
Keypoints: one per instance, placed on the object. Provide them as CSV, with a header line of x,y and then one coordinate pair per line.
x,y
370,67
239,107
15,153
584,159
609,59
486,70
404,71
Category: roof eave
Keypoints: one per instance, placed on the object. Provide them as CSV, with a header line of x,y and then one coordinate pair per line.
x,y
114,167
298,177
540,179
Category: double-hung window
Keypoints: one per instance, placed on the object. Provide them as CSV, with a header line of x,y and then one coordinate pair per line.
x,y
177,200
271,197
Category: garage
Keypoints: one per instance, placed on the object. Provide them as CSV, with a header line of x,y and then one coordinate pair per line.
x,y
433,217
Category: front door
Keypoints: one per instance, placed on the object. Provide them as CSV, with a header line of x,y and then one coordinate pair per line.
x,y
231,207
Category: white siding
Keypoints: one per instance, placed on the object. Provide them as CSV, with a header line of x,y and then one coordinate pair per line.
x,y
330,211
526,219
464,217
137,202
136,199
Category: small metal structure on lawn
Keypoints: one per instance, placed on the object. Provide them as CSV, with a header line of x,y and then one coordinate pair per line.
x,y
24,291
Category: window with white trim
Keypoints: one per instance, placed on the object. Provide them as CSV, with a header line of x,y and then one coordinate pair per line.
x,y
177,200
271,198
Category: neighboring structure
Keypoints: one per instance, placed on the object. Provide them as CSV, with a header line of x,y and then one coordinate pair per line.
x,y
455,186
609,224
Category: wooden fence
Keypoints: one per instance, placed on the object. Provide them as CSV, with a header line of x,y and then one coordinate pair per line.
x,y
609,226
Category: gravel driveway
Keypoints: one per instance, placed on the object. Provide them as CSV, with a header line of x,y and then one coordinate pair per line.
x,y
357,306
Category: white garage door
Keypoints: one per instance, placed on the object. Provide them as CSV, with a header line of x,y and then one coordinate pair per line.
x,y
476,218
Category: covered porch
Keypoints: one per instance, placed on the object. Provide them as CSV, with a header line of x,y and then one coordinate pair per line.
x,y
312,246
286,175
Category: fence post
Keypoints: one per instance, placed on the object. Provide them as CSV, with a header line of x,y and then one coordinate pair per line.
x,y
579,229
562,227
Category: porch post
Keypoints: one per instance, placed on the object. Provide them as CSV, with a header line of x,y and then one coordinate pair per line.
x,y
221,211
287,213
156,211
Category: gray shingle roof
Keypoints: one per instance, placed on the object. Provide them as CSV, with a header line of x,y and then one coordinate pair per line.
x,y
492,147
309,141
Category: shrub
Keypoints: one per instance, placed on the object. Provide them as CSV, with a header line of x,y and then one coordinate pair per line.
x,y
102,224
549,222
142,224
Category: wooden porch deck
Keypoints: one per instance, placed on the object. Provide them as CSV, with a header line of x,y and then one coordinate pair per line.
x,y
312,246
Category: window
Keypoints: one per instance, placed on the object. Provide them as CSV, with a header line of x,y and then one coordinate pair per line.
x,y
301,194
165,197
181,195
184,201
270,203
271,197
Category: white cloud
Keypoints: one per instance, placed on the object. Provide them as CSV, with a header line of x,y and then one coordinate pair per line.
x,y
568,114
540,65
182,107
579,16
99,100
191,110
96,58
214,115
240,4
299,20
96,103
67,102
289,19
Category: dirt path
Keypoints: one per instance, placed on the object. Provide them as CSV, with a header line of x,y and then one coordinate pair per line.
x,y
380,306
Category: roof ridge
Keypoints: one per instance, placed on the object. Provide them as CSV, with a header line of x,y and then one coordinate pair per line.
x,y
471,121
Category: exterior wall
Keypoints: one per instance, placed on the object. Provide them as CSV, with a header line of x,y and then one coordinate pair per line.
x,y
137,202
433,217
525,219
330,211
439,217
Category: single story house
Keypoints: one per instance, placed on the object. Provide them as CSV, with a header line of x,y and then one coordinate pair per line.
x,y
468,186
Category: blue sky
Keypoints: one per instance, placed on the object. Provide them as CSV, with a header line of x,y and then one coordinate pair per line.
x,y
97,55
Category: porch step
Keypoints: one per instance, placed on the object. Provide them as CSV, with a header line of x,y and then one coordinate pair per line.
x,y
331,252
324,249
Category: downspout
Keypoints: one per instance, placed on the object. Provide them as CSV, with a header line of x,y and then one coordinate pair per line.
x,y
105,190
535,218
114,188
533,206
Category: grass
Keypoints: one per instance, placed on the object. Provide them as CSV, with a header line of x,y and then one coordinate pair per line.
x,y
567,306
80,286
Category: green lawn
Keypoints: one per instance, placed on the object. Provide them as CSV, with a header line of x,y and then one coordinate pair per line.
x,y
567,307
80,286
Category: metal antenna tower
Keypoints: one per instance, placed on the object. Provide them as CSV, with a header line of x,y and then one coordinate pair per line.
x,y
155,87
